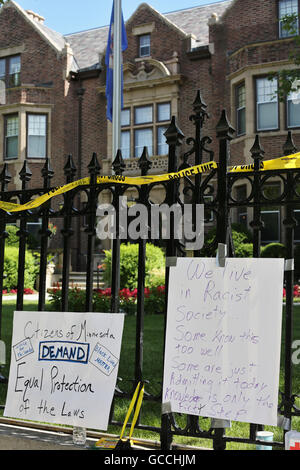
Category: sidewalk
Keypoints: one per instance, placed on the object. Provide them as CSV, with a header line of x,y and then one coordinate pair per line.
x,y
22,438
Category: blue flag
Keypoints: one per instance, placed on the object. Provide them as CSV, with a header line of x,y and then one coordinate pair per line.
x,y
109,64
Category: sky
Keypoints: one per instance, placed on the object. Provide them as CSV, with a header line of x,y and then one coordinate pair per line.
x,y
71,16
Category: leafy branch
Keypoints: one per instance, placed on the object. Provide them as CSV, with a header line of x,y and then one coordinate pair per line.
x,y
289,80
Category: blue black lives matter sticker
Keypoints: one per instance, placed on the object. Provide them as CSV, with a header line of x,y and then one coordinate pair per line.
x,y
103,359
67,351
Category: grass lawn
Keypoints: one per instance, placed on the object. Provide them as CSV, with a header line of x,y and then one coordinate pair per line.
x,y
152,368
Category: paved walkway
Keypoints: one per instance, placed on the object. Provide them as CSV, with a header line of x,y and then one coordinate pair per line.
x,y
22,438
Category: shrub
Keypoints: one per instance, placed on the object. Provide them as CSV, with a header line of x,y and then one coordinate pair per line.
x,y
241,237
273,250
12,239
154,300
244,250
155,263
11,262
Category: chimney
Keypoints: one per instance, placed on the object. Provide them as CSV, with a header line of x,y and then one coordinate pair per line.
x,y
35,16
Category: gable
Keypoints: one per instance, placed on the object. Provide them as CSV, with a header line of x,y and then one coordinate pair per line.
x,y
55,40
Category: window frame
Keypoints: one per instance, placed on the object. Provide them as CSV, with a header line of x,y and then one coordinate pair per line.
x,y
239,108
27,135
272,129
267,210
287,114
157,141
8,76
157,111
279,21
148,35
6,117
137,129
154,125
142,123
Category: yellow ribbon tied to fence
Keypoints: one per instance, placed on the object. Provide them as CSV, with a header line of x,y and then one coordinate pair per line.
x,y
282,163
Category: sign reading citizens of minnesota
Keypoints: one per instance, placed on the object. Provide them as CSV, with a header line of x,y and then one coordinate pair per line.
x,y
64,367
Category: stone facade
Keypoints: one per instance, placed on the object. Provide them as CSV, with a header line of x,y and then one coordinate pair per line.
x,y
216,48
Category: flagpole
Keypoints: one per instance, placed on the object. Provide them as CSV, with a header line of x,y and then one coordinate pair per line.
x,y
116,116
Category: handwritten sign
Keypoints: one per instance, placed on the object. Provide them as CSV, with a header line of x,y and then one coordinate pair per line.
x,y
222,354
64,367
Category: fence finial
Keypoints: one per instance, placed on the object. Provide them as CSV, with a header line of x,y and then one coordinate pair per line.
x,y
289,146
257,151
5,176
94,165
25,173
224,129
69,168
173,134
144,162
118,163
47,171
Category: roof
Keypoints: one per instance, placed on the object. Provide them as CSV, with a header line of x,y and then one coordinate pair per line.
x,y
56,40
87,45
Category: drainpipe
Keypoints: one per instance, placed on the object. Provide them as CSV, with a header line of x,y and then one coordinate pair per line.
x,y
80,93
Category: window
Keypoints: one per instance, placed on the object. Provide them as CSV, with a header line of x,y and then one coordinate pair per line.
x,y
143,138
36,136
266,104
125,144
10,68
241,109
11,139
33,228
162,147
288,7
143,114
147,129
144,45
241,196
125,117
271,216
293,109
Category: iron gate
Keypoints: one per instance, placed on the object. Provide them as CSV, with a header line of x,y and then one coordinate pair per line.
x,y
219,184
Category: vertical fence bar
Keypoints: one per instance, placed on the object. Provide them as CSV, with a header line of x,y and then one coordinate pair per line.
x,y
5,178
290,224
199,107
118,167
67,233
144,164
25,176
94,169
257,154
224,132
47,174
174,138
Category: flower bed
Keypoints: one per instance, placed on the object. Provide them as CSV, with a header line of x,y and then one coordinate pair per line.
x,y
296,293
154,301
27,290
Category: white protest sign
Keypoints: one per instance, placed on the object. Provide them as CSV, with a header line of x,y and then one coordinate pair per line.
x,y
222,354
64,367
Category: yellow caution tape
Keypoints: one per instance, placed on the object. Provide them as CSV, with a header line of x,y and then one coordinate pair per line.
x,y
282,163
134,180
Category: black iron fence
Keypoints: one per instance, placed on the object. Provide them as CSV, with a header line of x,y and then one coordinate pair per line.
x,y
216,190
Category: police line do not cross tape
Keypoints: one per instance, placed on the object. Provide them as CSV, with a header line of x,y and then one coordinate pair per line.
x,y
282,163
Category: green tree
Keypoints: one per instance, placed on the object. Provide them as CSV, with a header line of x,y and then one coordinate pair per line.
x,y
289,80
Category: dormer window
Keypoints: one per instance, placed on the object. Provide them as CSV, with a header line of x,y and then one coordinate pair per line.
x,y
144,45
288,8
